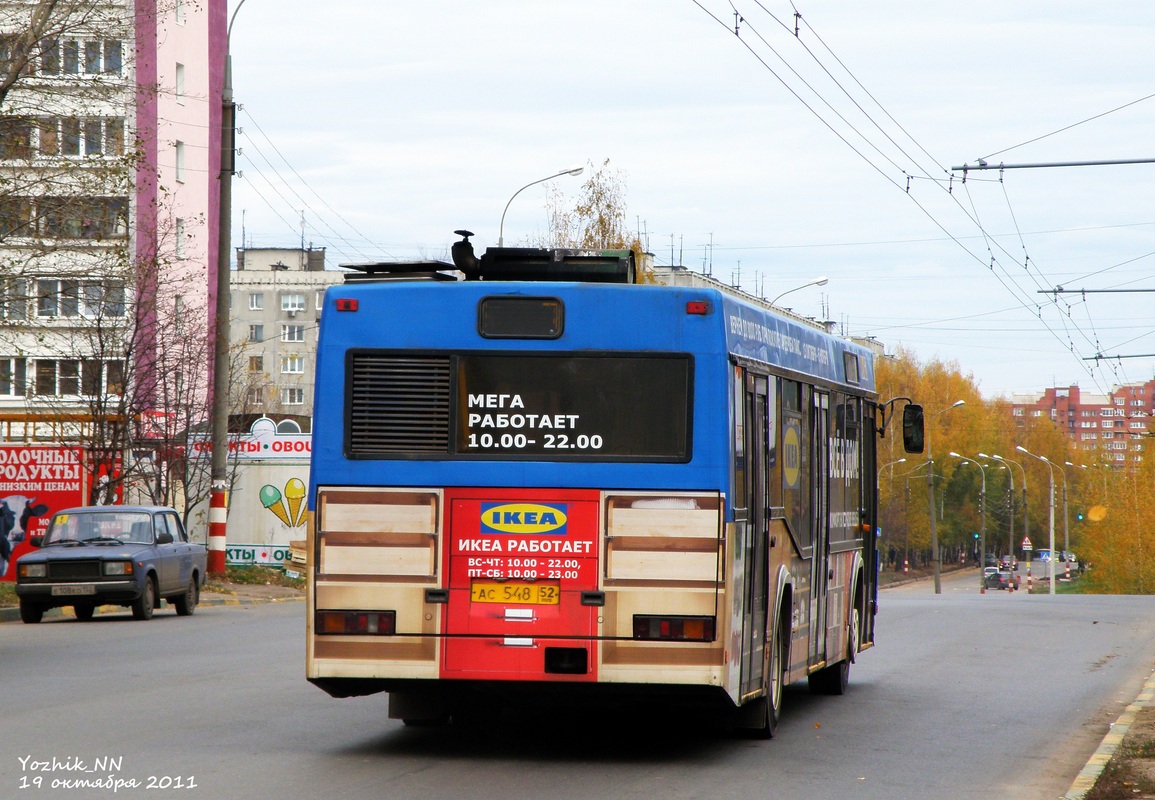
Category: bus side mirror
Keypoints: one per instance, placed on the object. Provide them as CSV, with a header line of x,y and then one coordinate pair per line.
x,y
36,541
912,428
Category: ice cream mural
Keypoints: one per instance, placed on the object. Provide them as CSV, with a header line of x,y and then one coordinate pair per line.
x,y
289,505
268,502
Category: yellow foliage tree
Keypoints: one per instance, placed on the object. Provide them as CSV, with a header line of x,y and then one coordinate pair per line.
x,y
1118,536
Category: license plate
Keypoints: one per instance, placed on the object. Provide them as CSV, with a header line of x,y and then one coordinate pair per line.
x,y
535,594
80,588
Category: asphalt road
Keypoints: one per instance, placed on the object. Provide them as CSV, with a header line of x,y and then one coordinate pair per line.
x,y
966,696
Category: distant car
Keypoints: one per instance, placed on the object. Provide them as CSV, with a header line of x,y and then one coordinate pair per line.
x,y
111,555
988,571
1008,562
1003,579
1068,557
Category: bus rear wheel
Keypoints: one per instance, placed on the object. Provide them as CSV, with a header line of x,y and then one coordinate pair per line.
x,y
759,720
835,678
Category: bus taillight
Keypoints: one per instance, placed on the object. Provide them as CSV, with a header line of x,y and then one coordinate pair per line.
x,y
676,629
371,623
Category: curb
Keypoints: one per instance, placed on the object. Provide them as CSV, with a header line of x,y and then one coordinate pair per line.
x,y
13,614
1085,780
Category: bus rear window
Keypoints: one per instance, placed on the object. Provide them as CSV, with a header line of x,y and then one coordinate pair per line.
x,y
520,318
610,407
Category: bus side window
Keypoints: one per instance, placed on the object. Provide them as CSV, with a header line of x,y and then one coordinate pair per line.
x,y
774,426
794,463
739,411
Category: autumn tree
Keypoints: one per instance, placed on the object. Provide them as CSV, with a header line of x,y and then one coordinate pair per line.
x,y
596,220
976,430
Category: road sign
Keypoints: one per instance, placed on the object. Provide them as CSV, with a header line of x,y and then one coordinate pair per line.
x,y
1027,544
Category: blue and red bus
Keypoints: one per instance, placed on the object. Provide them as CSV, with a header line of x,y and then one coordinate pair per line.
x,y
534,475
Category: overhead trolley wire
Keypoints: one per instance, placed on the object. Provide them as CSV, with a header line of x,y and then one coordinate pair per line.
x,y
995,265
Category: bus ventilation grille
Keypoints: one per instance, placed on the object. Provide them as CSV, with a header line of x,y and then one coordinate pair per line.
x,y
398,405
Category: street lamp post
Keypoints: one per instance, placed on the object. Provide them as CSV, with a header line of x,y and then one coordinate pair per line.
x,y
1011,515
1026,530
501,225
816,282
219,419
879,475
1051,543
982,520
935,558
1066,516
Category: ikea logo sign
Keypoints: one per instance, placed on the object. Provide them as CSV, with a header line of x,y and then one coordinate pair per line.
x,y
524,518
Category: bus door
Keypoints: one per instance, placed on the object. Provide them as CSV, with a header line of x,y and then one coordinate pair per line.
x,y
820,502
755,538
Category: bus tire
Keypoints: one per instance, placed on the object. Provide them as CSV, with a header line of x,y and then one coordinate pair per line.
x,y
835,678
759,719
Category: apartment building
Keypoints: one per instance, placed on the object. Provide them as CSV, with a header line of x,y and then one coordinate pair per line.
x,y
109,157
276,299
1116,426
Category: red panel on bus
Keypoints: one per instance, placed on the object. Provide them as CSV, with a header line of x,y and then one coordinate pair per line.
x,y
518,561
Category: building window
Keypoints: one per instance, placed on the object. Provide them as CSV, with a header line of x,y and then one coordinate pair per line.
x,y
180,162
178,11
292,302
292,333
69,298
256,301
14,299
15,138
293,397
256,333
57,298
93,136
319,301
75,378
83,217
74,56
256,397
99,301
181,236
256,363
293,364
178,84
13,377
65,136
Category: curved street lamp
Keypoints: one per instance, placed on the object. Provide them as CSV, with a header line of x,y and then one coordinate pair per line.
x,y
1067,516
982,517
501,225
816,282
1026,530
1050,466
935,559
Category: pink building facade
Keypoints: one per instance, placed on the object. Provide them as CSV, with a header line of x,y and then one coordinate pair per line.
x,y
1113,428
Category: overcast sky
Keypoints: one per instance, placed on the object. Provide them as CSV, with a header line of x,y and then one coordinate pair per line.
x,y
765,157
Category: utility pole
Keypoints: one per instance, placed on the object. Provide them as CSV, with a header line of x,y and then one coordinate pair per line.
x,y
218,497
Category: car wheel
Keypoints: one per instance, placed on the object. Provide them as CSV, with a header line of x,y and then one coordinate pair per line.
x,y
31,613
143,606
187,602
84,611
